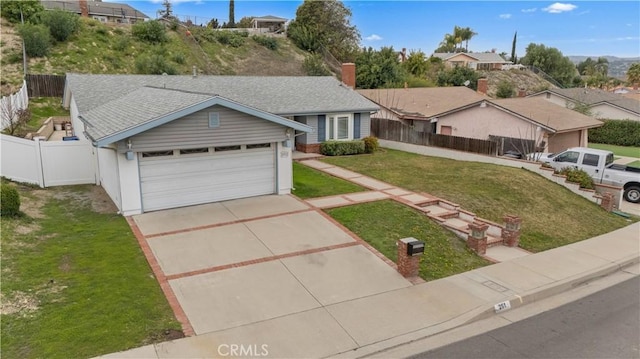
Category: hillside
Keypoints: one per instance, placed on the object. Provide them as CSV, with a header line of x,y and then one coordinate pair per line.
x,y
522,79
110,48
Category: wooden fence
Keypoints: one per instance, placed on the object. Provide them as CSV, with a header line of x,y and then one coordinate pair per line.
x,y
45,85
397,131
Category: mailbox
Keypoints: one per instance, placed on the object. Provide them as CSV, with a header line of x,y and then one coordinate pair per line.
x,y
415,248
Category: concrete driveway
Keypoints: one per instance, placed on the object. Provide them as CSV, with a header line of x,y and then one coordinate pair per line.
x,y
229,264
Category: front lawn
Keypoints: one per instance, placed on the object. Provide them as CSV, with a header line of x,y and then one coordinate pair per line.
x,y
382,223
311,183
75,283
626,151
552,215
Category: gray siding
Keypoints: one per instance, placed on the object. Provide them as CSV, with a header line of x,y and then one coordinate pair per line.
x,y
365,124
193,132
311,138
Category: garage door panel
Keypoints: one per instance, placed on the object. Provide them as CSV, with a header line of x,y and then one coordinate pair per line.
x,y
176,181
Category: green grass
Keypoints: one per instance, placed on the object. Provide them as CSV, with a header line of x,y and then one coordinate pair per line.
x,y
42,108
90,287
634,164
552,215
626,151
311,183
382,223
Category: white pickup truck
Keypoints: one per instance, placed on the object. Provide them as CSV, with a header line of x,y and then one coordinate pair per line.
x,y
599,165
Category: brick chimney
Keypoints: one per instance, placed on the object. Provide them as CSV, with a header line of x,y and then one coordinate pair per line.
x,y
84,8
522,92
483,85
349,74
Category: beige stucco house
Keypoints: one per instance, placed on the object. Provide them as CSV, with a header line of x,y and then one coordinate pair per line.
x,y
601,104
473,60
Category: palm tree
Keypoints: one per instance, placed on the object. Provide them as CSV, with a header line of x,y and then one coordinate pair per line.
x,y
467,34
458,35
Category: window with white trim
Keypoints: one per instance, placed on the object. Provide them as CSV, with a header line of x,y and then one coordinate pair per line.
x,y
339,127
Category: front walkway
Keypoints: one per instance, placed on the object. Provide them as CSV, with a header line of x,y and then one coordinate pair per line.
x,y
448,214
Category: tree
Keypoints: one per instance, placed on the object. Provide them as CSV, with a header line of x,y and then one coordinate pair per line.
x,y
213,24
13,116
62,24
447,45
416,63
467,34
505,89
378,69
245,22
633,74
325,24
15,11
36,38
514,60
551,61
457,76
167,13
232,14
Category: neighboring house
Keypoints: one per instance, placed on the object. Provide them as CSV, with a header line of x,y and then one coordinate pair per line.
x,y
473,60
96,9
602,104
420,106
170,141
269,23
459,111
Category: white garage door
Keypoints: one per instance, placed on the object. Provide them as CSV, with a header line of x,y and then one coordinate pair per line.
x,y
187,177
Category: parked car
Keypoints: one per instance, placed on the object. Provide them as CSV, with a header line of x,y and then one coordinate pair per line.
x,y
599,165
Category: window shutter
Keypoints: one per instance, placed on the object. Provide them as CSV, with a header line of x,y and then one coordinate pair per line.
x,y
322,122
356,125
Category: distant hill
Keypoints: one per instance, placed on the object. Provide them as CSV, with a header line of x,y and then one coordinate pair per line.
x,y
618,66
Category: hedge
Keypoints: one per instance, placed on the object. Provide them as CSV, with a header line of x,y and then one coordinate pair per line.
x,y
339,148
617,132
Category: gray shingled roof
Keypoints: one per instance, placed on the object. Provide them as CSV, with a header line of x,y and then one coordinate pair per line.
x,y
95,8
596,96
280,95
485,57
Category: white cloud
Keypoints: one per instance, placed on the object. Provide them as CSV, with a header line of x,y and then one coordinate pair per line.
x,y
558,8
505,16
533,9
373,37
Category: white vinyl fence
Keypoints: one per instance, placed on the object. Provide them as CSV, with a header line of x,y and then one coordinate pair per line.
x,y
47,164
9,105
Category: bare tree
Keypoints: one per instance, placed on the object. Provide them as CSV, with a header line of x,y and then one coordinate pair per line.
x,y
13,117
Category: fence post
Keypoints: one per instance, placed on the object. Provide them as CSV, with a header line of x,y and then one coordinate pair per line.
x,y
39,166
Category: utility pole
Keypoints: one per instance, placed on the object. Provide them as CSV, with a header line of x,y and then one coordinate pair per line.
x,y
24,51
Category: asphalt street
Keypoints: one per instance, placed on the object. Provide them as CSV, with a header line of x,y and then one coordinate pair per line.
x,y
604,325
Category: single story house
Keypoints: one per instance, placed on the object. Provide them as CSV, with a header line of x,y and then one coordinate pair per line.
x,y
473,60
169,141
269,22
99,10
602,104
461,112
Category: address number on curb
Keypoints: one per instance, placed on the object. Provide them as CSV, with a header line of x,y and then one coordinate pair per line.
x,y
502,306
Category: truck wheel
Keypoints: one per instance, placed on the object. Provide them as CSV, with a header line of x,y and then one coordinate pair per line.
x,y
632,194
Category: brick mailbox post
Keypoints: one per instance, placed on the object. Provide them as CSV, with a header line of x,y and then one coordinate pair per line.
x,y
608,201
409,252
511,231
477,239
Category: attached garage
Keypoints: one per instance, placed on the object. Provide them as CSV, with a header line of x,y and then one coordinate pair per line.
x,y
177,178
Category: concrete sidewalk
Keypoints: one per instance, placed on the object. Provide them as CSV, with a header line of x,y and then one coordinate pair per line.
x,y
368,325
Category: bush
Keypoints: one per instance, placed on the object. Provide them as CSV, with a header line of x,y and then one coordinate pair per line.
x,y
617,132
37,39
15,11
62,24
152,32
121,43
314,66
268,42
229,38
154,65
179,58
9,201
340,148
505,89
578,176
370,144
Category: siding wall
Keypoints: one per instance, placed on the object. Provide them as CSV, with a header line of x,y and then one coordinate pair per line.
x,y
193,131
365,124
480,122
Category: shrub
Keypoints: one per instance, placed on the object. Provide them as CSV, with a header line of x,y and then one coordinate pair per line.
x,y
9,201
505,89
154,65
340,148
152,32
15,11
314,66
578,176
37,39
617,132
268,42
179,58
62,24
229,38
121,43
370,144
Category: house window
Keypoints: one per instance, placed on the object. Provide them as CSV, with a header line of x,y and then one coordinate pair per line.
x,y
214,120
340,127
157,153
227,148
192,151
259,145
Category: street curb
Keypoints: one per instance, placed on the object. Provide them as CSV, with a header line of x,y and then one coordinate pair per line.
x,y
488,311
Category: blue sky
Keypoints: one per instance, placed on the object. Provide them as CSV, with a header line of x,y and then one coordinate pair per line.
x,y
588,28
